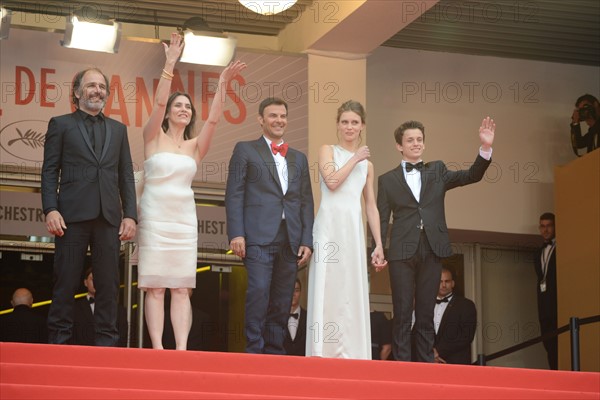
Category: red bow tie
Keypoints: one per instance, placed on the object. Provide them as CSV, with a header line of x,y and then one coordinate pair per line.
x,y
282,148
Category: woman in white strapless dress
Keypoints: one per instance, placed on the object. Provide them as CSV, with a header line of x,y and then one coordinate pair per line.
x,y
338,318
167,230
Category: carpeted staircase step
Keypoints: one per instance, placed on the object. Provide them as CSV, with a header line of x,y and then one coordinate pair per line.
x,y
46,371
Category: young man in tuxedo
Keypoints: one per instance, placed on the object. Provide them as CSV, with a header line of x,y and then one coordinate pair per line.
x,y
84,326
270,215
295,337
88,197
455,322
414,194
545,269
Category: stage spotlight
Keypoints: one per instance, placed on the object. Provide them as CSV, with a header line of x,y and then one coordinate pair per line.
x,y
208,48
94,36
4,22
267,7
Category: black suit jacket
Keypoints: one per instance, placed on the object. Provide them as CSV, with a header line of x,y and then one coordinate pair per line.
x,y
255,201
395,197
297,347
84,325
23,325
456,331
78,184
547,301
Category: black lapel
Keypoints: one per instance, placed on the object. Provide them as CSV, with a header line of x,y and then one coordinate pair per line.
x,y
293,172
424,178
106,138
83,131
265,153
399,174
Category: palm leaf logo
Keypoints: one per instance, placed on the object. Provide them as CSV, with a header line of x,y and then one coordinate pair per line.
x,y
30,138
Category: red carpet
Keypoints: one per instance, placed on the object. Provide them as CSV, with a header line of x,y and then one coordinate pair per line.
x,y
76,372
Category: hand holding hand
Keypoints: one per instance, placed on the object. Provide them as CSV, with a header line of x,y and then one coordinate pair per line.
x,y
55,223
174,49
486,133
362,153
127,229
378,259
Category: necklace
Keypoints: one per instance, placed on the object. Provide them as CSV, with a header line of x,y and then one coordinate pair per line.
x,y
175,141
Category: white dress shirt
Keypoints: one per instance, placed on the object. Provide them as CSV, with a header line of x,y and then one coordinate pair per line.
x,y
413,179
438,312
293,323
546,254
281,165
93,304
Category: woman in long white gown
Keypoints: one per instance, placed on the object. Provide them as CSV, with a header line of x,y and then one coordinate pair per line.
x,y
167,232
338,323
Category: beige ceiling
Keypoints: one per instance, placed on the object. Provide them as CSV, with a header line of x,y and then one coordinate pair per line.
x,y
547,30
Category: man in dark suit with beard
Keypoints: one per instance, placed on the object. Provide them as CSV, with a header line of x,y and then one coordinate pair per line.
x,y
414,194
547,294
455,322
270,216
88,197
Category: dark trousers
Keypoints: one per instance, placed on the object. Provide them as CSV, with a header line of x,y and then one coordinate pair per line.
x,y
271,273
551,345
69,264
416,279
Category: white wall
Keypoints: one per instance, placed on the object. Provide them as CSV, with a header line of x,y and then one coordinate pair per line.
x,y
509,308
531,102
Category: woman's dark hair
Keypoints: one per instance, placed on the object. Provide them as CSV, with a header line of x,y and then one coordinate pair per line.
x,y
187,133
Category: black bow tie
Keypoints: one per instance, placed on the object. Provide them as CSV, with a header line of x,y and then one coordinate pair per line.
x,y
409,166
546,244
295,315
444,300
91,300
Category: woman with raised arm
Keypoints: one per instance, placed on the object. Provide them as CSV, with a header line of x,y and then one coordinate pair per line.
x,y
168,234
338,322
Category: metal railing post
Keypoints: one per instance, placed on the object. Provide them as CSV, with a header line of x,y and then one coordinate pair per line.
x,y
574,327
481,359
127,281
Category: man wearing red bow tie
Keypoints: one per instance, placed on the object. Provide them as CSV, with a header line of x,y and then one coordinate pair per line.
x,y
270,215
